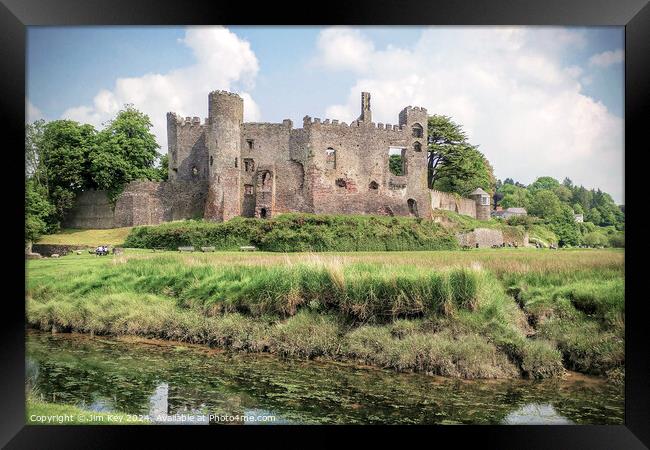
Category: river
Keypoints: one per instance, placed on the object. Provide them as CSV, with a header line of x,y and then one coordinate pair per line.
x,y
178,383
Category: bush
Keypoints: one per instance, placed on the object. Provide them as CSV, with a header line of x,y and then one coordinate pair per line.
x,y
299,233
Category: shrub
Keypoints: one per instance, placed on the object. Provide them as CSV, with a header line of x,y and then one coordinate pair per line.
x,y
299,232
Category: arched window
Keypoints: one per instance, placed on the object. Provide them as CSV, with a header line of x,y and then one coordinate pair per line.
x,y
373,185
263,213
418,132
330,158
417,147
195,171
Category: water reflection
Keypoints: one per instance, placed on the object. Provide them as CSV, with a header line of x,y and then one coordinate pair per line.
x,y
169,382
536,414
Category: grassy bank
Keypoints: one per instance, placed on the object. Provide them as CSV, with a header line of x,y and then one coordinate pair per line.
x,y
461,314
299,233
93,238
40,412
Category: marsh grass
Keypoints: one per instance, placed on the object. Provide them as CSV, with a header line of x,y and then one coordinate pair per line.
x,y
487,314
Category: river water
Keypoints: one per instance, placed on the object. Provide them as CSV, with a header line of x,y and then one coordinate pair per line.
x,y
177,383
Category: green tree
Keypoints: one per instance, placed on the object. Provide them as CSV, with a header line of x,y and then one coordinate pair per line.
x,y
124,151
563,224
544,183
454,165
515,196
577,208
563,193
545,204
65,147
37,211
594,216
163,167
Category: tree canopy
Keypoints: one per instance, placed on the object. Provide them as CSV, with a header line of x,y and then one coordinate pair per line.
x,y
64,158
455,165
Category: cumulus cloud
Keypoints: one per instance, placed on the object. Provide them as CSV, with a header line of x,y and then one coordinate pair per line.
x,y
606,59
32,113
508,87
222,61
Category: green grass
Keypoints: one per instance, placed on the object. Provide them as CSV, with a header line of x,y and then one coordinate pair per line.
x,y
39,412
71,236
479,313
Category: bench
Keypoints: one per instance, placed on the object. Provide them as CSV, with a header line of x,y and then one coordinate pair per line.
x,y
186,249
207,249
247,248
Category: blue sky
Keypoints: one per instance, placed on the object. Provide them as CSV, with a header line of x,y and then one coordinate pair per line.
x,y
538,101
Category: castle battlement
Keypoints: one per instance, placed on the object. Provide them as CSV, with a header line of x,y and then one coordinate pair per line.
x,y
327,123
186,121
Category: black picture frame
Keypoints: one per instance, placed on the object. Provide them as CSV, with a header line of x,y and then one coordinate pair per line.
x,y
16,15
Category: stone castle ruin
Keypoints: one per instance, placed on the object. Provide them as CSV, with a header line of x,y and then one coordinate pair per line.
x,y
224,167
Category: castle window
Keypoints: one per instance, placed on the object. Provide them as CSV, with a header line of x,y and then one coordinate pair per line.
x,y
249,165
413,207
485,200
236,162
417,147
397,160
211,160
195,171
248,189
250,143
418,132
330,158
341,183
263,213
266,180
373,185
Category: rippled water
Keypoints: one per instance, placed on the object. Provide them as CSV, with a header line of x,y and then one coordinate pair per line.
x,y
170,381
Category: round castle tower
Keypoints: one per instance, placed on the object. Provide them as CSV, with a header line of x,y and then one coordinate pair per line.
x,y
223,138
482,200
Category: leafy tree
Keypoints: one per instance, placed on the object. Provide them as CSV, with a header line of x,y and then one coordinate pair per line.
x,y
454,165
577,208
470,171
37,211
544,183
545,204
163,167
515,196
33,148
563,193
65,147
595,239
124,151
563,224
594,216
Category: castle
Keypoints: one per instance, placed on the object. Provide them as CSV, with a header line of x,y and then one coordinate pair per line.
x,y
224,167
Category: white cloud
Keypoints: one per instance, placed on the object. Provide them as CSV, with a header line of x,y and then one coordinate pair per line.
x,y
223,61
606,59
32,113
509,89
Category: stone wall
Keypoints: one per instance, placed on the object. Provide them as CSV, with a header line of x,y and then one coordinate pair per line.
x,y
484,237
451,202
92,210
60,249
141,203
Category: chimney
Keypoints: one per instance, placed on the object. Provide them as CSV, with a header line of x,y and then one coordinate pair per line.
x,y
366,115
